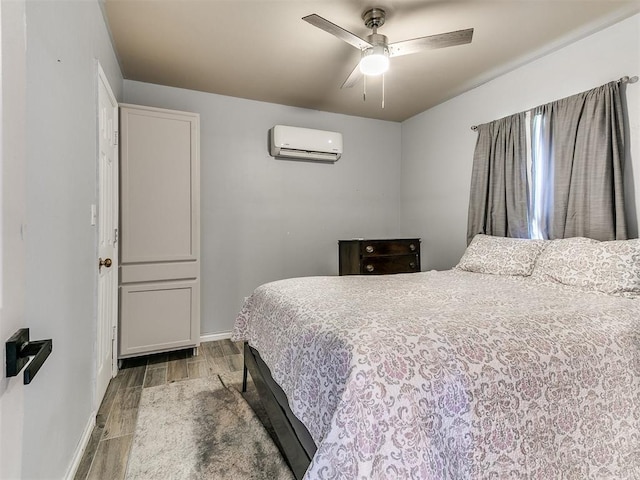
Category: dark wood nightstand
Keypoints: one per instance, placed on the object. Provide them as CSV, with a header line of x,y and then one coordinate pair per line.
x,y
378,257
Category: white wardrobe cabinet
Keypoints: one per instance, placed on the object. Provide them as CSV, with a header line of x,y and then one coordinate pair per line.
x,y
159,230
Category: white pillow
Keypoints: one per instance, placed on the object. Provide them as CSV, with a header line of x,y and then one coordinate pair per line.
x,y
611,267
501,255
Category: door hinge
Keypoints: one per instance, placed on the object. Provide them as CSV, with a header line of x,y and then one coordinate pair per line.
x,y
115,236
115,137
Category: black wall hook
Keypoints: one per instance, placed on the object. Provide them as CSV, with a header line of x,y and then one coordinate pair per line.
x,y
19,349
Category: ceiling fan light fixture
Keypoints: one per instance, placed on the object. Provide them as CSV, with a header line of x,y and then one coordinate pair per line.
x,y
374,60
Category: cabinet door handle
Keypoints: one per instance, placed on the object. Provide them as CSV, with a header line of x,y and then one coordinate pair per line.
x,y
369,268
412,265
369,248
412,247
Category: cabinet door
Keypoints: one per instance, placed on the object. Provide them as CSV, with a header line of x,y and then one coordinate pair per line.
x,y
160,186
155,317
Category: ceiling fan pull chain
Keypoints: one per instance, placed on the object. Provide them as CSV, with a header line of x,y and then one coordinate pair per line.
x,y
383,90
364,89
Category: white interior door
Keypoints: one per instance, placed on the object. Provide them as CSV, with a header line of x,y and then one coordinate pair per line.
x,y
15,438
107,236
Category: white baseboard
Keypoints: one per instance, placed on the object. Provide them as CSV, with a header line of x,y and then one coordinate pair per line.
x,y
84,441
212,337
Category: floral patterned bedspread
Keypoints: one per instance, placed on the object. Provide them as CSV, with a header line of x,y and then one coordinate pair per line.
x,y
454,375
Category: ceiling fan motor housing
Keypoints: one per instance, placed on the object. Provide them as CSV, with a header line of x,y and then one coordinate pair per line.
x,y
376,39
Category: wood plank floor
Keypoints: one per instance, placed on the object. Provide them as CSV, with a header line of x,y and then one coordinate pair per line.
x,y
107,452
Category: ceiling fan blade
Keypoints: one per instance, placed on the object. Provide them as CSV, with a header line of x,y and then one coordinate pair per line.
x,y
353,77
333,29
459,37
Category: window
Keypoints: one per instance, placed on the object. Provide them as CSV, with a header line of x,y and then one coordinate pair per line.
x,y
539,189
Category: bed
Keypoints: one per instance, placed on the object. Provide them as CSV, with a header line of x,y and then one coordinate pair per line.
x,y
521,362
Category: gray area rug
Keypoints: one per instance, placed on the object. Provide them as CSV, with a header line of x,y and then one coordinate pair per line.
x,y
198,429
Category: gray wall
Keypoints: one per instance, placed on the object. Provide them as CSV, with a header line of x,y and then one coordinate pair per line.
x,y
265,219
63,40
437,145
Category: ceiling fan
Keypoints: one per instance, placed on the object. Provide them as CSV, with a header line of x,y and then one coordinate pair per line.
x,y
376,50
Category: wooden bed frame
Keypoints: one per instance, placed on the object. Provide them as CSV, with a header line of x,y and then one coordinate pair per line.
x,y
285,437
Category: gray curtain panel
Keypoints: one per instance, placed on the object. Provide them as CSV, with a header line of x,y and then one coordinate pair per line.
x,y
581,165
498,204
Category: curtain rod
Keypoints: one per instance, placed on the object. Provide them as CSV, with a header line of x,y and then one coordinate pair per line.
x,y
625,79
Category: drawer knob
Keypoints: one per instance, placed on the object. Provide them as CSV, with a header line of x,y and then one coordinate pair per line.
x,y
369,268
369,248
412,247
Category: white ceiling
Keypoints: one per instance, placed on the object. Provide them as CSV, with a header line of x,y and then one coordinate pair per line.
x,y
262,50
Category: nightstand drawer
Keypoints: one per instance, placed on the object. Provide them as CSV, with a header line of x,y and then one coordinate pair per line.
x,y
384,247
389,264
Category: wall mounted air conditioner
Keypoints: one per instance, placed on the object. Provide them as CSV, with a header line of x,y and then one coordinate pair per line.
x,y
305,144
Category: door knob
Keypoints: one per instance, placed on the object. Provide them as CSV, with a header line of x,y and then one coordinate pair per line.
x,y
104,263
